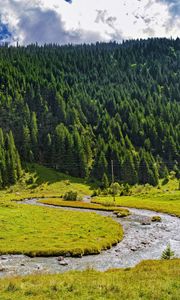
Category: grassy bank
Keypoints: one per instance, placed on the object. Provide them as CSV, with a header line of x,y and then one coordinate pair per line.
x,y
150,280
37,231
83,205
164,198
165,202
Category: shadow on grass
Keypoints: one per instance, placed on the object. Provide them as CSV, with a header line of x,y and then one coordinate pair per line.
x,y
45,175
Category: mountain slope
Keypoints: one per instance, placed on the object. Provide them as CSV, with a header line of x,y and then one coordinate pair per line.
x,y
77,108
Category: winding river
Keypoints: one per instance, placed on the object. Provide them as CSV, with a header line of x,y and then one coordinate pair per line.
x,y
140,242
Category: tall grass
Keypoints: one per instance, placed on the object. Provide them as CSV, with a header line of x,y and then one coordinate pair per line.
x,y
150,280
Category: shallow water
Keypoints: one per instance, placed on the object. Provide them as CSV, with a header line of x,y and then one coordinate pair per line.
x,y
140,242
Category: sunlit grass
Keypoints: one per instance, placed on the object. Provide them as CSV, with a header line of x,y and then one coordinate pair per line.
x,y
39,231
48,183
167,203
164,198
150,280
45,182
83,205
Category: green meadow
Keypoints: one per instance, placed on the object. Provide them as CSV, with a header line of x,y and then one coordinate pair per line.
x,y
40,231
165,202
164,198
46,231
42,182
39,181
150,280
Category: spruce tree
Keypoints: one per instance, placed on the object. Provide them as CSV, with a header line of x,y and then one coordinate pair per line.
x,y
129,174
105,181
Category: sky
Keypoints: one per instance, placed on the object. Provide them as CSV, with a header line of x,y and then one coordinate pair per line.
x,y
87,21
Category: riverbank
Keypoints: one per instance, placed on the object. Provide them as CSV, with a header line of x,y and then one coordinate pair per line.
x,y
142,240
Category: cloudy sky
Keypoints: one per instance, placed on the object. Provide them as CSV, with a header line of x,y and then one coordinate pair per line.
x,y
86,21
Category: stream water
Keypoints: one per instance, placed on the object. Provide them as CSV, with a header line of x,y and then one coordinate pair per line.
x,y
140,242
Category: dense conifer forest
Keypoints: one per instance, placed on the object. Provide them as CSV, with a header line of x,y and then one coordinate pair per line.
x,y
77,108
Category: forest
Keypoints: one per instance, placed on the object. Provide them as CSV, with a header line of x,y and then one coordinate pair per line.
x,y
78,108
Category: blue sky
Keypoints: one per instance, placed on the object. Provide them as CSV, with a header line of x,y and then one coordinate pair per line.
x,y
5,35
86,21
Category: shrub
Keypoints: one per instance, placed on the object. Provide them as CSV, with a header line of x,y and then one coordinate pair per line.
x,y
70,196
165,181
11,287
156,219
105,192
122,213
96,193
67,182
30,180
115,188
125,190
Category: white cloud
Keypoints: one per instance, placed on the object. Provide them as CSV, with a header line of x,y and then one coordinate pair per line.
x,y
57,21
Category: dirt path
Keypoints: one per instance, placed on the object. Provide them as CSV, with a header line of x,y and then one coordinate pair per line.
x,y
140,242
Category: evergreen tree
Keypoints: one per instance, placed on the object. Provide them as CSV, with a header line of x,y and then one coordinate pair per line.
x,y
129,173
10,164
34,135
105,181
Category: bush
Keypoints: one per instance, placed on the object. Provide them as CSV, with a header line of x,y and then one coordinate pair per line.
x,y
125,190
105,192
115,188
165,181
30,180
122,214
70,196
67,182
96,193
156,219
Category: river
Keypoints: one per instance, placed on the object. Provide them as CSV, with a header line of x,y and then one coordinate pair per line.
x,y
140,242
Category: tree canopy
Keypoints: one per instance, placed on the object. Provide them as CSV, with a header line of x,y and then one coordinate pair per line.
x,y
76,108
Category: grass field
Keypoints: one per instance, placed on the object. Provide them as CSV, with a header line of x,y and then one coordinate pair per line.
x,y
43,231
39,231
44,182
83,205
150,280
167,203
40,181
164,198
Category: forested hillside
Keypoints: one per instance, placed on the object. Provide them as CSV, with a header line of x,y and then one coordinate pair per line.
x,y
76,108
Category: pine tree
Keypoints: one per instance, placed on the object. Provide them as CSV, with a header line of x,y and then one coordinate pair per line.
x,y
26,145
34,135
11,158
128,171
105,181
100,166
10,165
167,253
79,155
